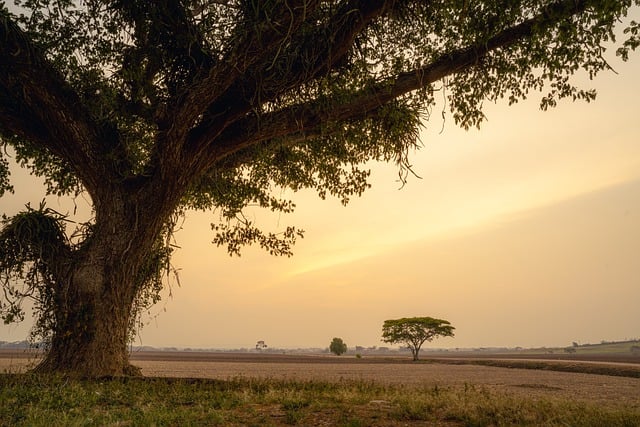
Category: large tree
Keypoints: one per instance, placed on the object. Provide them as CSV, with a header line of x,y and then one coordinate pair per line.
x,y
151,109
415,331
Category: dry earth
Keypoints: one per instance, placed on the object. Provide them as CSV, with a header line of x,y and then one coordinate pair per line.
x,y
612,391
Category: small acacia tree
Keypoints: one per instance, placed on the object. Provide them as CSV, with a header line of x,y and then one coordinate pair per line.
x,y
338,346
150,109
415,331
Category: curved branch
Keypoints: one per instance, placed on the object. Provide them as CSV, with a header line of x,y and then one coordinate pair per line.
x,y
38,105
253,47
297,121
345,24
213,83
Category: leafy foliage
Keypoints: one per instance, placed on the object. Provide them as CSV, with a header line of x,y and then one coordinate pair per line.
x,y
31,241
126,62
415,331
338,346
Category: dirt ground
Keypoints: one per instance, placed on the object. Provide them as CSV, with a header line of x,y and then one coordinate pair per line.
x,y
602,389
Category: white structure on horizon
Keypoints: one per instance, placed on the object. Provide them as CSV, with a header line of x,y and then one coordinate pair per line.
x,y
260,345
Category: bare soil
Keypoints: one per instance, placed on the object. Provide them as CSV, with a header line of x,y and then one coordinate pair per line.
x,y
511,376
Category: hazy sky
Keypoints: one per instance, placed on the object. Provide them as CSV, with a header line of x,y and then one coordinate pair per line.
x,y
525,233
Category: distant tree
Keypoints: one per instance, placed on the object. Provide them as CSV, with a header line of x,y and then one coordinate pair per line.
x,y
415,331
338,346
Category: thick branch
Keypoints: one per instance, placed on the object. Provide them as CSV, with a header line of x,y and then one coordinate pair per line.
x,y
262,36
328,44
256,45
327,52
38,105
299,120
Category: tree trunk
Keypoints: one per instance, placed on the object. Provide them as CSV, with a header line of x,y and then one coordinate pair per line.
x,y
92,343
92,313
94,298
415,349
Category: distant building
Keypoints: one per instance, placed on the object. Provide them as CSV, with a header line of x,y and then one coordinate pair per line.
x,y
260,345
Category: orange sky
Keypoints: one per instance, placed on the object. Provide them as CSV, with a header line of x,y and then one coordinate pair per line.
x,y
525,233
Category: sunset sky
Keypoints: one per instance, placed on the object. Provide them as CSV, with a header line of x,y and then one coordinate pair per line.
x,y
524,233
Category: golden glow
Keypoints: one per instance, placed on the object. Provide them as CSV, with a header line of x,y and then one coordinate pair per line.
x,y
526,232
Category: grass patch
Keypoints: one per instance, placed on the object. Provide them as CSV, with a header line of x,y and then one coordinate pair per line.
x,y
28,400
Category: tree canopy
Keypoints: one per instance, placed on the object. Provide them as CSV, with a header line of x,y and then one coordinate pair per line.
x,y
338,346
151,110
415,331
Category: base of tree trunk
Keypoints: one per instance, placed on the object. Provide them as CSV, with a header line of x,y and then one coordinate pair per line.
x,y
46,366
87,361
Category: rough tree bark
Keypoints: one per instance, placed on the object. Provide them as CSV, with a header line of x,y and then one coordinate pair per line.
x,y
96,290
91,337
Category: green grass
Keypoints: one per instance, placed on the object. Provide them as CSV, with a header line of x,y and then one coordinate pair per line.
x,y
28,400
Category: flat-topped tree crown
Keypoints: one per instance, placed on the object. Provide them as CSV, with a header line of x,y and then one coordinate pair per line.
x,y
415,331
152,110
